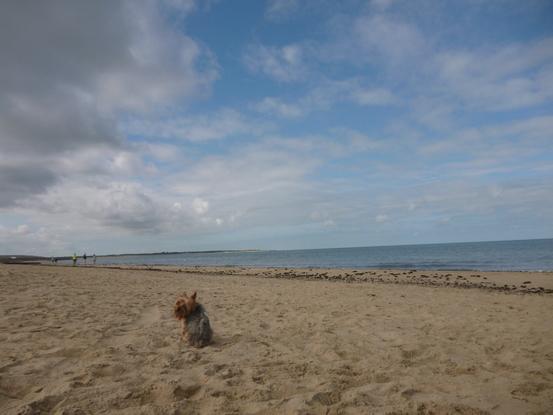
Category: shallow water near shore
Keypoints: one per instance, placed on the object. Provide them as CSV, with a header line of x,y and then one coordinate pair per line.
x,y
525,255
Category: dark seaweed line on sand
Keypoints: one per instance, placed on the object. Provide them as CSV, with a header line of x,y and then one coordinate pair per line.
x,y
398,277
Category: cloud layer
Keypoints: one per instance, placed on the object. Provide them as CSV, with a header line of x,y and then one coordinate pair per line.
x,y
65,82
166,125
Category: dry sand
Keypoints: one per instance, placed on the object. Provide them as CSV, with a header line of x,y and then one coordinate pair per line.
x,y
94,340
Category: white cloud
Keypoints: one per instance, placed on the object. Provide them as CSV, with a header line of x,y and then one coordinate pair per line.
x,y
528,136
184,6
513,76
27,239
323,218
63,89
338,143
200,206
165,66
21,230
247,183
63,134
222,124
284,64
324,96
394,41
272,184
281,9
489,77
123,205
159,151
381,218
273,105
374,96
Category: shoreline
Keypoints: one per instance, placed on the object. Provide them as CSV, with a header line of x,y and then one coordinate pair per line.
x,y
281,267
519,282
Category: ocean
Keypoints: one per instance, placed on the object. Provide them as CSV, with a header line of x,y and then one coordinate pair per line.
x,y
523,255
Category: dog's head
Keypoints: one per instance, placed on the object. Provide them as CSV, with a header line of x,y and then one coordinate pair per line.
x,y
185,306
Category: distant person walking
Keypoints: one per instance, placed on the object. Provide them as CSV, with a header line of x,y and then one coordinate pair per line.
x,y
84,257
74,258
94,259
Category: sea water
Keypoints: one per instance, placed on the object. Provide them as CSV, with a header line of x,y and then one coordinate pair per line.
x,y
524,255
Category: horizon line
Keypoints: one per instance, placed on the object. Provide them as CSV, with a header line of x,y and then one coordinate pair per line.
x,y
208,251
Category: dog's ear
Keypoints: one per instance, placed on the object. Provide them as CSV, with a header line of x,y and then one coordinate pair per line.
x,y
193,296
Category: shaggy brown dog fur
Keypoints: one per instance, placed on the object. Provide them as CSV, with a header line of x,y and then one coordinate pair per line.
x,y
195,322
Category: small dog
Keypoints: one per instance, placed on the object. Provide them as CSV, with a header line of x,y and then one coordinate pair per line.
x,y
195,323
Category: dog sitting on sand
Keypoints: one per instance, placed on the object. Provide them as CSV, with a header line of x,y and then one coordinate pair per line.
x,y
195,323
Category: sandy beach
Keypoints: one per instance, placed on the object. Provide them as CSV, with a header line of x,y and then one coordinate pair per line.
x,y
76,340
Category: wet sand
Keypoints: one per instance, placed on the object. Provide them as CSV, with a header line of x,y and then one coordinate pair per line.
x,y
101,340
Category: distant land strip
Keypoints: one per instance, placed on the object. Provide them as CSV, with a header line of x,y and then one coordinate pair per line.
x,y
14,259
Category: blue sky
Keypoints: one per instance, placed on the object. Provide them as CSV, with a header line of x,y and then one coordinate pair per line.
x,y
190,125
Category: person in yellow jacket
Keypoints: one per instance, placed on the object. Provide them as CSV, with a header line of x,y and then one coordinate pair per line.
x,y
74,258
